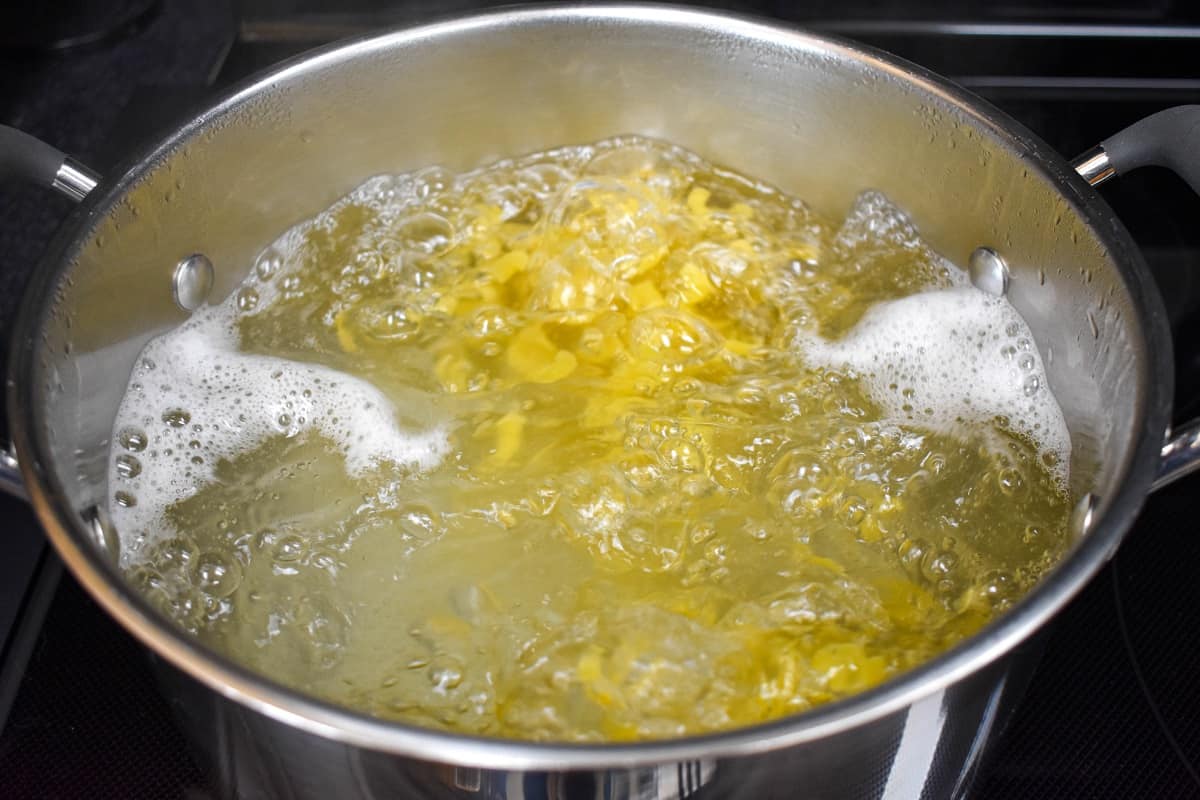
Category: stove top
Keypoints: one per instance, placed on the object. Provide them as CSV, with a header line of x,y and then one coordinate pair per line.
x,y
1111,711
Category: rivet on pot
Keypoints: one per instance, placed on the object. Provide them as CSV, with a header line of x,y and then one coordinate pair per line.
x,y
104,535
1082,516
988,271
192,282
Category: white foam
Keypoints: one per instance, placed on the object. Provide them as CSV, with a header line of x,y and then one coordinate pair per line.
x,y
950,356
234,401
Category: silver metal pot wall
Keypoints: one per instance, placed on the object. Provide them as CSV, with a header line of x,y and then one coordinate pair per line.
x,y
819,117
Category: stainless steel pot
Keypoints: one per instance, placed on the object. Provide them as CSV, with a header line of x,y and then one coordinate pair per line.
x,y
820,117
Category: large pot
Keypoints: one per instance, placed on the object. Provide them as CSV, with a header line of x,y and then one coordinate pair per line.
x,y
820,117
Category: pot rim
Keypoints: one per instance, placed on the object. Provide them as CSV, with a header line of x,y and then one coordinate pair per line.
x,y
101,578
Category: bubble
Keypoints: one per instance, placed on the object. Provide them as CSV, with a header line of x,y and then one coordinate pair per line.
x,y
418,521
128,466
936,566
679,454
267,264
750,396
125,499
218,574
247,299
146,580
396,323
176,417
445,674
912,553
176,552
700,532
425,233
998,589
642,470
670,336
288,548
916,343
201,373
854,510
133,439
1010,480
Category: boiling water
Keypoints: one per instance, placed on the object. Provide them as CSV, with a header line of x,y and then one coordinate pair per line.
x,y
602,443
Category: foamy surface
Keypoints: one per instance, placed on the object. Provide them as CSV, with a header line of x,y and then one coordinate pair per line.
x,y
194,400
948,358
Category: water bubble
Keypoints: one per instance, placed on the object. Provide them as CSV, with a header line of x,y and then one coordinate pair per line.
x,y
128,466
145,580
217,574
679,454
700,532
854,510
936,566
176,552
998,589
176,417
132,439
418,521
1010,481
425,233
247,299
125,499
1026,362
749,396
268,264
445,674
912,553
396,323
1031,385
288,548
642,471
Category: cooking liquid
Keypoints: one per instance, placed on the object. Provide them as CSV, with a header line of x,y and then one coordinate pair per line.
x,y
603,443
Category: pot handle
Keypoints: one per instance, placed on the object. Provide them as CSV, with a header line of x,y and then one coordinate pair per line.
x,y
22,156
1171,139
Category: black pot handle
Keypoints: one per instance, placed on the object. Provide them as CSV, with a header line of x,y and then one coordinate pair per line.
x,y
1170,139
24,157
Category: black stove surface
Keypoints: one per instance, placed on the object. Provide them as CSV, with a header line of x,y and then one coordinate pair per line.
x,y
1112,710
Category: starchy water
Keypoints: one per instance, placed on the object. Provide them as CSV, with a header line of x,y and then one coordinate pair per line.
x,y
602,443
